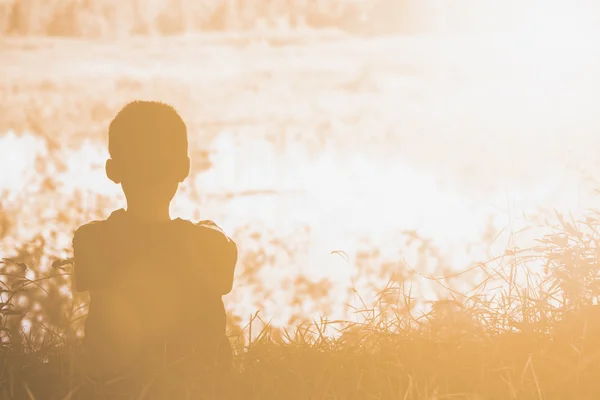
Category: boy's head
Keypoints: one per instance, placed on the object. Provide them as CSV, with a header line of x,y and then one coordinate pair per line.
x,y
148,147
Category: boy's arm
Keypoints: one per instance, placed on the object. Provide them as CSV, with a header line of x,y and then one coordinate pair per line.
x,y
222,256
84,272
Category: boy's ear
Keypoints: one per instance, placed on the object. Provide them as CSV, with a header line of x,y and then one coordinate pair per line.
x,y
112,171
183,169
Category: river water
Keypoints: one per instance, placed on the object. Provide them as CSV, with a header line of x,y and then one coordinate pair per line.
x,y
489,135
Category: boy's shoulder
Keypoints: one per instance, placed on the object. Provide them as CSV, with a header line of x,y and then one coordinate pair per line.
x,y
90,229
205,226
201,230
101,227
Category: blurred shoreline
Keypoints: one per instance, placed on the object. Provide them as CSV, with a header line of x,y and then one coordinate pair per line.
x,y
456,138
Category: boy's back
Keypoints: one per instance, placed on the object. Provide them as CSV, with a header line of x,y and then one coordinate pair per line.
x,y
155,283
155,290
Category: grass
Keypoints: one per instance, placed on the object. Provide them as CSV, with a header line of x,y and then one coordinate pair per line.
x,y
535,339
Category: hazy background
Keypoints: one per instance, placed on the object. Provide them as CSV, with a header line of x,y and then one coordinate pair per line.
x,y
412,135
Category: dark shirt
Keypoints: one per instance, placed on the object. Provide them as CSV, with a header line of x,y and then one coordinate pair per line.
x,y
155,289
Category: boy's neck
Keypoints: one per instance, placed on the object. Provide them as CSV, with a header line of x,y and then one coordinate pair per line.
x,y
145,214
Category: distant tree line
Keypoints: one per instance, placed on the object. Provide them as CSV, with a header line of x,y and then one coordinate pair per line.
x,y
101,18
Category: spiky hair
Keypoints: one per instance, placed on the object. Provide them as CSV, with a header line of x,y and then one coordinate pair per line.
x,y
147,128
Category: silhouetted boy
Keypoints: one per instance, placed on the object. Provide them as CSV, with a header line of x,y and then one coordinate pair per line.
x,y
155,283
